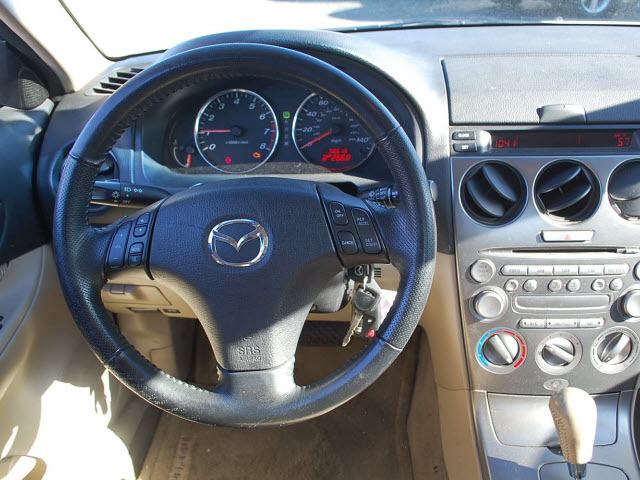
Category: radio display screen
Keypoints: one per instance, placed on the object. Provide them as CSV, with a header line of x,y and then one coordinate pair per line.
x,y
574,139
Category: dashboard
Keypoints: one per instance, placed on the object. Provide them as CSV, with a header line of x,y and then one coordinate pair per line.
x,y
534,147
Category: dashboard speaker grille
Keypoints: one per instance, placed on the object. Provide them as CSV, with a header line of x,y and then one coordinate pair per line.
x,y
493,193
567,191
624,190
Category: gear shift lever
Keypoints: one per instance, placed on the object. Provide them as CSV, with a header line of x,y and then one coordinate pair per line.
x,y
574,414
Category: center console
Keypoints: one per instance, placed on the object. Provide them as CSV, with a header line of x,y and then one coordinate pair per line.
x,y
547,225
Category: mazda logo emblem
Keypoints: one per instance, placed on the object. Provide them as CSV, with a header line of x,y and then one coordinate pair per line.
x,y
255,232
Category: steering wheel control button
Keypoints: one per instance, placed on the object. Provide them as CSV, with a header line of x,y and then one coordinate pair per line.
x,y
135,260
143,219
464,135
555,285
598,285
501,351
616,269
514,270
366,232
530,285
616,284
573,285
136,249
338,213
511,285
489,305
118,246
533,323
540,270
347,243
482,271
139,231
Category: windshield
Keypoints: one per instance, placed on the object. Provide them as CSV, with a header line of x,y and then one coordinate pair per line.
x,y
126,27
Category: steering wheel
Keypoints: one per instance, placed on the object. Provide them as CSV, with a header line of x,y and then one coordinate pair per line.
x,y
248,255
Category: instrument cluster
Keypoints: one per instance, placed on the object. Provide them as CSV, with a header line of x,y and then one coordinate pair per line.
x,y
258,126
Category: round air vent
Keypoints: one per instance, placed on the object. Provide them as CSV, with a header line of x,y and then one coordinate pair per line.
x,y
624,190
493,193
567,191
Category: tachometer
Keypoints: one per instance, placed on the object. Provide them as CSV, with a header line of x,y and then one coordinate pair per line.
x,y
236,131
327,136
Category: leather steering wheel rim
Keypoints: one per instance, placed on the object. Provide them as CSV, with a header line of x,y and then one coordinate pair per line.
x,y
251,397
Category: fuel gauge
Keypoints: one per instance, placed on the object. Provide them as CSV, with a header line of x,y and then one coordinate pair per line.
x,y
182,154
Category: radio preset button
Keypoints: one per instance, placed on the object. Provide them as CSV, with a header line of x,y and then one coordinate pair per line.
x,y
562,323
591,270
482,271
555,285
530,285
514,270
616,284
511,285
573,285
540,270
598,285
616,269
565,269
533,322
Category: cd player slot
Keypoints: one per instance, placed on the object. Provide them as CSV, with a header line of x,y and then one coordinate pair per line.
x,y
561,303
595,253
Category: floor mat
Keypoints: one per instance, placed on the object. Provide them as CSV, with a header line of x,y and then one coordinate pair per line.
x,y
364,439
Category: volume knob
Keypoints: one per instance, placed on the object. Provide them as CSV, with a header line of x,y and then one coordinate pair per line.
x,y
631,304
501,349
489,304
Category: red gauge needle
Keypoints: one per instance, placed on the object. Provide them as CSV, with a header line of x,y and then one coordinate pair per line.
x,y
215,131
317,139
189,160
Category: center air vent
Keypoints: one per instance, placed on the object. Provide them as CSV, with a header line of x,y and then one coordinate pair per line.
x,y
493,193
624,190
114,80
567,191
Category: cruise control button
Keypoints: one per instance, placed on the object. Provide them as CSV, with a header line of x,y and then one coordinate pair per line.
x,y
555,285
118,246
347,243
139,231
598,285
591,270
514,270
540,270
482,271
565,269
616,284
590,322
338,213
143,219
533,323
616,269
530,285
136,248
366,232
573,285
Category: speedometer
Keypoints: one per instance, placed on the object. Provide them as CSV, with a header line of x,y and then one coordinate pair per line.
x,y
327,136
236,131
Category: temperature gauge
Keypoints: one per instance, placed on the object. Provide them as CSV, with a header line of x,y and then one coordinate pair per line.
x,y
182,154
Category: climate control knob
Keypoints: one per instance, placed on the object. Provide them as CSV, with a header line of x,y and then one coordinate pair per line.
x,y
630,304
490,304
614,348
558,352
501,349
